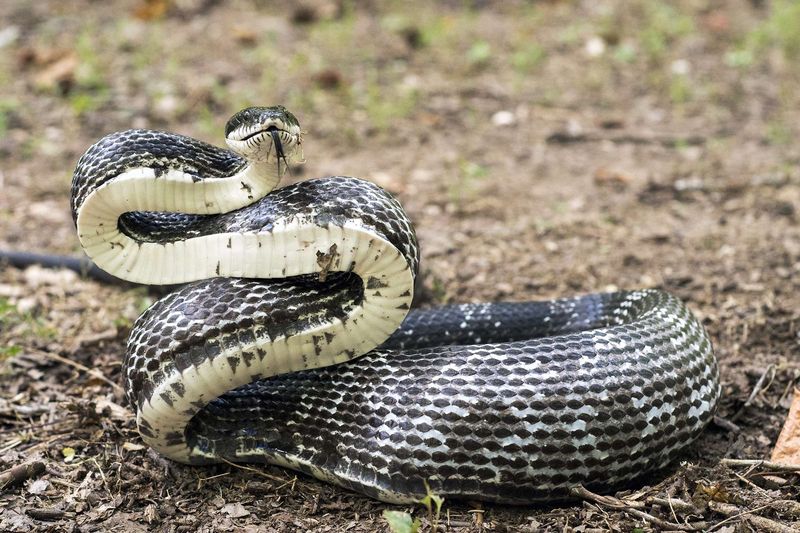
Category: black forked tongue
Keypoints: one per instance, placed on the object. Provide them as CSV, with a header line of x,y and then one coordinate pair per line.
x,y
276,138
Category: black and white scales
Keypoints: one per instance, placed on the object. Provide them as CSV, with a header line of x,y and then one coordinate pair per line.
x,y
292,341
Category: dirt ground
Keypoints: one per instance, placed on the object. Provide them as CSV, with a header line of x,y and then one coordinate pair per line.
x,y
543,149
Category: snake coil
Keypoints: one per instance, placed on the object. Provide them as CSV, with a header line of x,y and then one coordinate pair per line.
x,y
292,341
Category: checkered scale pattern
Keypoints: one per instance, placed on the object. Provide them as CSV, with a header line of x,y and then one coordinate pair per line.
x,y
506,402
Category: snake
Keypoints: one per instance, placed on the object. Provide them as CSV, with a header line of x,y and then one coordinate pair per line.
x,y
292,341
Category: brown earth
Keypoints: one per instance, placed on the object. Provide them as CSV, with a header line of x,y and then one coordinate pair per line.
x,y
542,149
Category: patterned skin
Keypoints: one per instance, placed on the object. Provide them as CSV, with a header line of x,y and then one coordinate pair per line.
x,y
313,367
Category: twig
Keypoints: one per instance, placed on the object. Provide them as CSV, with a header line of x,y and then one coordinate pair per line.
x,y
726,424
759,522
29,427
565,137
262,474
102,475
759,386
45,514
20,473
758,463
674,503
10,445
614,503
202,480
787,508
91,371
748,482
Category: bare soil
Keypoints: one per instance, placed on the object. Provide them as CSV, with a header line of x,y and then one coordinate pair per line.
x,y
542,149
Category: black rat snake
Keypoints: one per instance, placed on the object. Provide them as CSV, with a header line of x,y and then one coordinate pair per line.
x,y
289,344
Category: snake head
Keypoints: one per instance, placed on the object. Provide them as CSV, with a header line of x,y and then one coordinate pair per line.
x,y
265,134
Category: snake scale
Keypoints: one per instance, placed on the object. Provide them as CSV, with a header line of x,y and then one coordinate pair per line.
x,y
292,341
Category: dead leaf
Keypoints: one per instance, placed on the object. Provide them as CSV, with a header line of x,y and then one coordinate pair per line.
x,y
151,514
59,74
787,448
132,447
235,510
39,486
102,512
388,181
106,407
328,79
714,492
605,176
717,21
245,36
151,9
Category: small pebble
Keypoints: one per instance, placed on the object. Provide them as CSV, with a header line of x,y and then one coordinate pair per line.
x,y
595,46
503,118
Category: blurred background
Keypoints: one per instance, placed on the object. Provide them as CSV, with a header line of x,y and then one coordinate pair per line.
x,y
542,148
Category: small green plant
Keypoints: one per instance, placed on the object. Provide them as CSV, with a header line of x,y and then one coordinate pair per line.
x,y
785,27
527,58
479,53
22,324
680,90
402,522
438,290
9,316
9,351
384,106
436,30
467,185
739,58
778,133
571,35
663,24
7,107
92,89
8,312
433,503
781,29
625,53
338,35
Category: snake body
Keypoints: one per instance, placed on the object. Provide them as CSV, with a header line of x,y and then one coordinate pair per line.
x,y
292,341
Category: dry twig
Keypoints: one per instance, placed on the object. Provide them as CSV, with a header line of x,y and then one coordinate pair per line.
x,y
91,371
620,505
263,474
20,473
566,137
759,386
758,463
759,522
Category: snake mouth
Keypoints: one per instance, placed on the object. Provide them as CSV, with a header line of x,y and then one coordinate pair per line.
x,y
273,130
258,143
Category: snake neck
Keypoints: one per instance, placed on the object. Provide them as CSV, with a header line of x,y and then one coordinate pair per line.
x,y
154,192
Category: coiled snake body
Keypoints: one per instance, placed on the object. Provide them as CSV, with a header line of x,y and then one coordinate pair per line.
x,y
263,358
